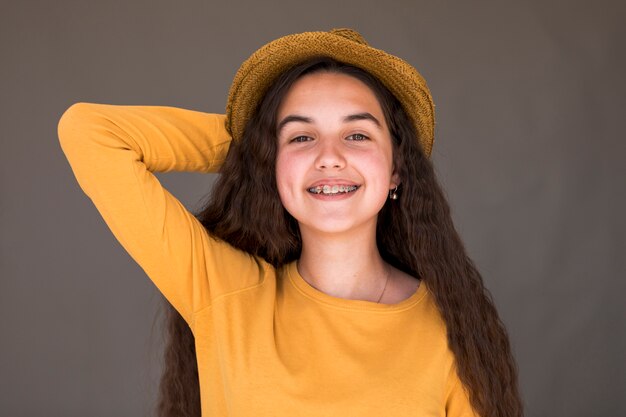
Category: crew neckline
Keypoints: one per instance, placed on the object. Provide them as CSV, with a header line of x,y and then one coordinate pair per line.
x,y
318,296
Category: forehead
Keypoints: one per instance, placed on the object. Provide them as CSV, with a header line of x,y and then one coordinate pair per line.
x,y
329,91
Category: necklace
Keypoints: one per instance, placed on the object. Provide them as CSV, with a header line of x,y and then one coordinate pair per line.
x,y
381,294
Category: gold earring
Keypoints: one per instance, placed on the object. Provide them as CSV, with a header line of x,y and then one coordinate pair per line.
x,y
393,194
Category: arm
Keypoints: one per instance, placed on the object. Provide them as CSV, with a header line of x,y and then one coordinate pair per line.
x,y
113,151
162,138
457,398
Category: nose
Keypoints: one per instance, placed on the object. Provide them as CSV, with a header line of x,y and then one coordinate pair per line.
x,y
330,155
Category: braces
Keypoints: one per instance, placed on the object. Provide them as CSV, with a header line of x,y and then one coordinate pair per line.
x,y
335,189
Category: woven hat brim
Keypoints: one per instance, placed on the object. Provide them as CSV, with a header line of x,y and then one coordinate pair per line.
x,y
261,69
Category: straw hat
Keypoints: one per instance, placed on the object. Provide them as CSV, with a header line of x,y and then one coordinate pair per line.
x,y
258,72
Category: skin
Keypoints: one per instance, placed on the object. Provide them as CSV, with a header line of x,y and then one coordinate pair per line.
x,y
332,131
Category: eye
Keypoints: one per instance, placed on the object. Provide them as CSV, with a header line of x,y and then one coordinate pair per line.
x,y
357,137
301,139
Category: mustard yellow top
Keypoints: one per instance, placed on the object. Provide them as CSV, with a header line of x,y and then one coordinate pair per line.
x,y
267,342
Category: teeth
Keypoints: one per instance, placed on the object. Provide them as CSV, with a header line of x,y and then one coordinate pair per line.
x,y
331,190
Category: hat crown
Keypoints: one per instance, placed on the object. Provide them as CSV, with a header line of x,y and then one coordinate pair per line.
x,y
350,34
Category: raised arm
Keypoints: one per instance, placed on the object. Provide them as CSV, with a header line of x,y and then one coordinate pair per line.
x,y
113,151
162,138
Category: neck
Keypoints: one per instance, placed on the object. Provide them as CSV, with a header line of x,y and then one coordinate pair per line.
x,y
346,266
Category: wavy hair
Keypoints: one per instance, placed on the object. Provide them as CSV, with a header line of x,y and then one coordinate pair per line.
x,y
414,233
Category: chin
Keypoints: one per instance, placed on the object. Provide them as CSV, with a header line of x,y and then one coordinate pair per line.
x,y
335,227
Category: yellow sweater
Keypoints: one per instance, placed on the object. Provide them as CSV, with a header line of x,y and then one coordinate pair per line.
x,y
268,343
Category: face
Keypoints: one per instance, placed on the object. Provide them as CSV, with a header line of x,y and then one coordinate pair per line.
x,y
334,166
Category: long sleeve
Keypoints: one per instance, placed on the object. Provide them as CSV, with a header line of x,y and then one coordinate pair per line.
x,y
457,398
113,151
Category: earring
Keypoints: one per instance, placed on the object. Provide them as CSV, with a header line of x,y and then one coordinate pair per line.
x,y
393,194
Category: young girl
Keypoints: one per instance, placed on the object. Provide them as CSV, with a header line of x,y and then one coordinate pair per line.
x,y
324,277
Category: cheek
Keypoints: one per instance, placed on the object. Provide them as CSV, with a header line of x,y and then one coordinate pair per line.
x,y
285,173
381,165
288,182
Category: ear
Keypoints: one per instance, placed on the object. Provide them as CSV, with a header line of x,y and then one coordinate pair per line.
x,y
395,180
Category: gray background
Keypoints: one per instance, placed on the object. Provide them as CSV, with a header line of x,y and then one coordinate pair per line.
x,y
529,147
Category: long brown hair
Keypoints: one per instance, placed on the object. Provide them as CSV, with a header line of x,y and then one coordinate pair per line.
x,y
414,233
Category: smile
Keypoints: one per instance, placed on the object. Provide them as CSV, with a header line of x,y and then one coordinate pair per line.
x,y
332,189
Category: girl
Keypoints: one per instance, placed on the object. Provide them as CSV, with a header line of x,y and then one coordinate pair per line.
x,y
324,276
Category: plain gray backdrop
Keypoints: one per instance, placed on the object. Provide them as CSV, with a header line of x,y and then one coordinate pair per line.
x,y
530,147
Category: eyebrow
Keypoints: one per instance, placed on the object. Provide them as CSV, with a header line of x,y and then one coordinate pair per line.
x,y
349,118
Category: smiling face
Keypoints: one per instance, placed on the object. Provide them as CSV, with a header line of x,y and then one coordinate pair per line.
x,y
334,166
